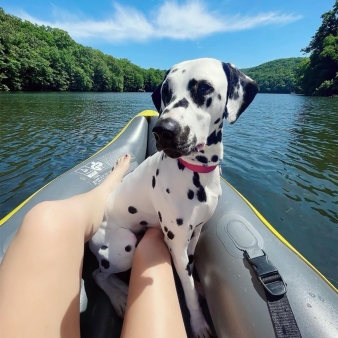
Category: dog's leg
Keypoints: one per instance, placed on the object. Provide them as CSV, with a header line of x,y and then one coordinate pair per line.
x,y
114,249
195,234
115,289
181,261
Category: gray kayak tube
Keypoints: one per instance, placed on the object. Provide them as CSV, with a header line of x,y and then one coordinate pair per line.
x,y
235,302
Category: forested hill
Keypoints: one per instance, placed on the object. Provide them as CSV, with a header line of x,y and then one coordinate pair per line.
x,y
278,76
43,58
36,57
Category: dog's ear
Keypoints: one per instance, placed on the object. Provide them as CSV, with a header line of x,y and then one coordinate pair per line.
x,y
156,96
241,92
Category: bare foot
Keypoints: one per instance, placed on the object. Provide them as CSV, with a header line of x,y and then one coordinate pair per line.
x,y
122,164
120,168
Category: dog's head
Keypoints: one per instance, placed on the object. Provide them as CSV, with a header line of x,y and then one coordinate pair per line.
x,y
193,100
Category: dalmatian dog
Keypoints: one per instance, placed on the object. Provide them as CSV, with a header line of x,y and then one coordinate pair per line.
x,y
178,187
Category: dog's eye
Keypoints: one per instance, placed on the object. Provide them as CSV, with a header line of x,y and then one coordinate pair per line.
x,y
204,89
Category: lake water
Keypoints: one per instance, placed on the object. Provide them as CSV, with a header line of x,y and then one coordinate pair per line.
x,y
282,155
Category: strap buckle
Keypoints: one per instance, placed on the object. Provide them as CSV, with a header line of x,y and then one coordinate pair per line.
x,y
268,275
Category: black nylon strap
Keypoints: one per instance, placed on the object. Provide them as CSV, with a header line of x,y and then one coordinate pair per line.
x,y
283,319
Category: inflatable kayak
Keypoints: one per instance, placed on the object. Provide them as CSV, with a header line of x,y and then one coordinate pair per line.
x,y
237,249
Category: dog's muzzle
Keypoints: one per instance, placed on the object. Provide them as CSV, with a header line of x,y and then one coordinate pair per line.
x,y
171,138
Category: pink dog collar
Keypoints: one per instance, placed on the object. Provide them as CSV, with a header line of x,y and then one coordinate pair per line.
x,y
198,168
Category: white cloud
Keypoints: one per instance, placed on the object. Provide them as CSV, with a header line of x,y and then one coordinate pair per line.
x,y
185,21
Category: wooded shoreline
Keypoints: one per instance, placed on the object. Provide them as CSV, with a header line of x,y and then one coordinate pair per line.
x,y
41,58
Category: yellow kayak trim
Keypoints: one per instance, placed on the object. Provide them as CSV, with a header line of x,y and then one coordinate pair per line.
x,y
280,237
145,113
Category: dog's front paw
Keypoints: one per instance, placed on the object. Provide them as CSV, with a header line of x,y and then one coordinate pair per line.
x,y
200,327
119,302
115,289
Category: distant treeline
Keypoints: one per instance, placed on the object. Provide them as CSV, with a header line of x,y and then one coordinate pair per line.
x,y
314,75
38,58
277,76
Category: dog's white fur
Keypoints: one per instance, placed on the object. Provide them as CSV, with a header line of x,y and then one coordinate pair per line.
x,y
193,100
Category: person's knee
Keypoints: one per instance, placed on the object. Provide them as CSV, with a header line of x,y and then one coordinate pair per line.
x,y
152,248
40,215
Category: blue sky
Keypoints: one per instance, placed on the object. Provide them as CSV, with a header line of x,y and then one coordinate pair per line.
x,y
159,33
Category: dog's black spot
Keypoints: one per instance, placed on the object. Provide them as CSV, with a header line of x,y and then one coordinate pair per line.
x,y
183,71
166,111
196,180
190,226
174,97
132,210
160,216
201,195
190,194
214,158
105,263
170,235
202,151
221,126
128,248
168,191
144,223
188,269
219,97
219,136
174,70
191,259
199,90
162,156
201,159
182,103
179,221
192,235
217,121
166,93
157,172
214,138
165,229
104,247
153,182
209,100
180,165
225,113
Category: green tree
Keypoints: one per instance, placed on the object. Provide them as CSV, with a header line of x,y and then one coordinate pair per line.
x,y
278,76
36,57
319,75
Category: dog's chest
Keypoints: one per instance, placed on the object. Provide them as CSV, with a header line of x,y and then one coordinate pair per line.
x,y
161,188
181,192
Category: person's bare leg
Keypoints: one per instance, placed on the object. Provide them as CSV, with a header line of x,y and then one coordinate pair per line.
x,y
153,309
41,272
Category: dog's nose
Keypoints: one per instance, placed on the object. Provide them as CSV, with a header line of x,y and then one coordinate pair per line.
x,y
164,130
